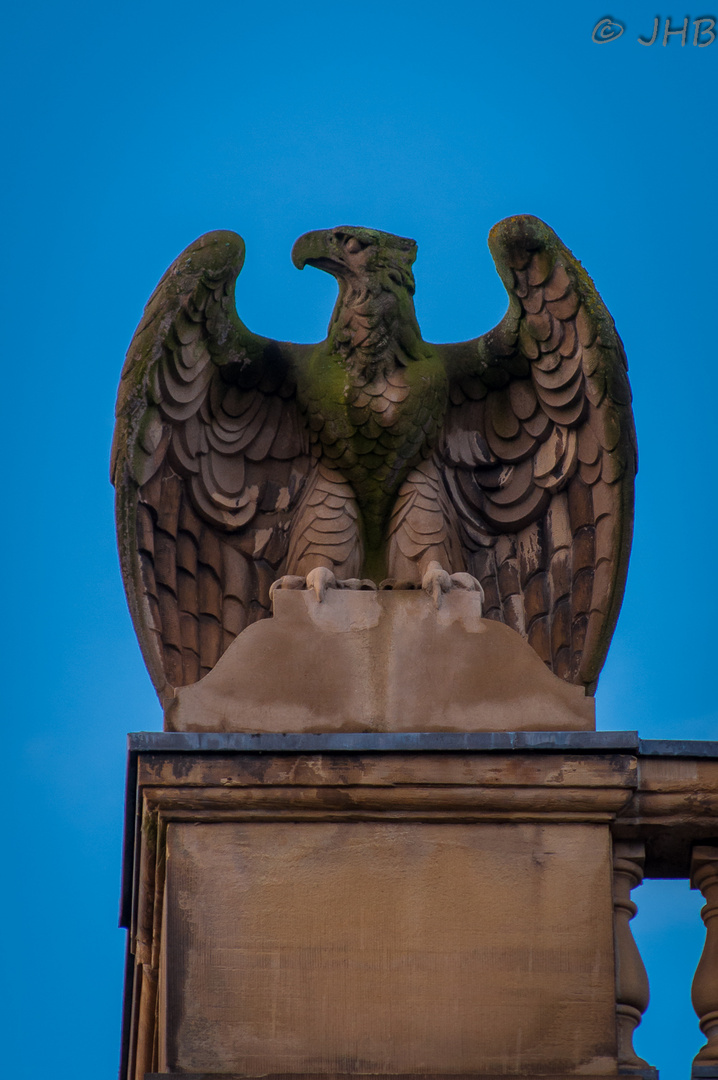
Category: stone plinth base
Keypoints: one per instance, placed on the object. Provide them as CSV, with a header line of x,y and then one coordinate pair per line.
x,y
417,905
379,661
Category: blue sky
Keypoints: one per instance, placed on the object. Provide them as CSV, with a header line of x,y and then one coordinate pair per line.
x,y
133,129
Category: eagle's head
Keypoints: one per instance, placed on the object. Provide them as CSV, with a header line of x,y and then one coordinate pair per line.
x,y
359,257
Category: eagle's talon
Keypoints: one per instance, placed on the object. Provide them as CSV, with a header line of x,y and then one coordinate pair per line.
x,y
468,582
437,581
289,581
356,584
320,579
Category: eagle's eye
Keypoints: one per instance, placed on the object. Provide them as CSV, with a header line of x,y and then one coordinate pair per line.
x,y
353,245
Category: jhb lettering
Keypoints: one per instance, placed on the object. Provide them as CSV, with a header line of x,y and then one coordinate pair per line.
x,y
699,32
703,32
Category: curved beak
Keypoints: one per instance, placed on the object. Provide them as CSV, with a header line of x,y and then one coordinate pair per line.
x,y
320,249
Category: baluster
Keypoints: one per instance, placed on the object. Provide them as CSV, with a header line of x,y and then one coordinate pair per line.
x,y
631,978
704,876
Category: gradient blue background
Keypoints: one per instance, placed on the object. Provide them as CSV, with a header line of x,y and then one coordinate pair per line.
x,y
133,128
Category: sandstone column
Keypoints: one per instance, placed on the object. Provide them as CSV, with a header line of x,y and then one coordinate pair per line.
x,y
704,876
631,978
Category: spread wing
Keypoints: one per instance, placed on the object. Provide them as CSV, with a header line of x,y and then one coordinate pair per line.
x,y
538,454
209,457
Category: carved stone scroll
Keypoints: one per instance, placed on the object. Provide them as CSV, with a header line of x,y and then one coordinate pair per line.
x,y
704,876
631,979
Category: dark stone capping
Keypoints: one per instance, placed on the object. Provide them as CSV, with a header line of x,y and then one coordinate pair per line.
x,y
678,748
645,1072
705,1072
649,1074
173,742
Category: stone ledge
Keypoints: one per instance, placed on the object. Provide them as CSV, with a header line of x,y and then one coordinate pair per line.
x,y
648,1074
600,742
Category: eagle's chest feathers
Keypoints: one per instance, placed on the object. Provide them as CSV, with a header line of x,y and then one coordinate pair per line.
x,y
374,404
375,426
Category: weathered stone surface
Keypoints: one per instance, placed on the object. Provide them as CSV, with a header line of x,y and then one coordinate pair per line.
x,y
259,882
379,661
388,948
389,860
250,878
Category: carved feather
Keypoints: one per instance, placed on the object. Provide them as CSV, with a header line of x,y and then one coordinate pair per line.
x,y
560,519
207,423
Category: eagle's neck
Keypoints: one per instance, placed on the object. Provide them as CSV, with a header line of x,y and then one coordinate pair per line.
x,y
373,328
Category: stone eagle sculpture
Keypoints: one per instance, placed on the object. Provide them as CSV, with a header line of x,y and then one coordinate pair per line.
x,y
504,463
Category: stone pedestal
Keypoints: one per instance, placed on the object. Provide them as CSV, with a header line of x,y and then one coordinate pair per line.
x,y
396,905
379,661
